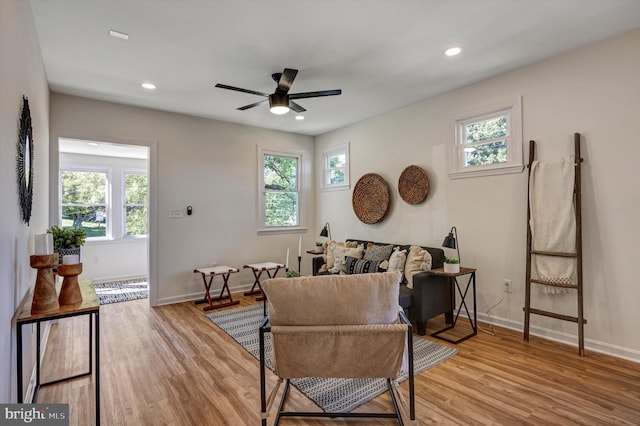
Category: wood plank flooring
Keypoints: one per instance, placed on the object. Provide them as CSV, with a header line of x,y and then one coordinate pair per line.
x,y
171,366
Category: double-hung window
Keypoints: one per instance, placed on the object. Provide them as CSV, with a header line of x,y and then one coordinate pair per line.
x,y
135,204
279,190
85,201
335,168
488,141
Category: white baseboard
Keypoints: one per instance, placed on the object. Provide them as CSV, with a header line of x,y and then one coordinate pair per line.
x,y
199,295
562,337
117,278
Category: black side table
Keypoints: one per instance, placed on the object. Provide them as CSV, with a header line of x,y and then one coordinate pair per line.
x,y
453,281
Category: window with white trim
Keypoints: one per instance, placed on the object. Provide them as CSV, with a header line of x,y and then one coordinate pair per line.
x,y
488,141
335,168
135,197
279,189
84,195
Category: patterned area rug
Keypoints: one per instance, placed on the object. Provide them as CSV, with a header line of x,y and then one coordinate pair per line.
x,y
332,395
122,291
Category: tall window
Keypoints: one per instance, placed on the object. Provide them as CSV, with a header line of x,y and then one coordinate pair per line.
x,y
85,200
335,168
135,203
488,141
280,190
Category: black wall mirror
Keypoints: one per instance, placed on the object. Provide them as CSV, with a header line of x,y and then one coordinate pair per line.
x,y
24,164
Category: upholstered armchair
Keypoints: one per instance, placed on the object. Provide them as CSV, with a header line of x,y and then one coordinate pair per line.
x,y
347,326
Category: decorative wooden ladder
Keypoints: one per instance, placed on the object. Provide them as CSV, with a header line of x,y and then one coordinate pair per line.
x,y
528,310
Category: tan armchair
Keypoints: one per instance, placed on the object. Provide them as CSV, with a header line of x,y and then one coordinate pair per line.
x,y
346,326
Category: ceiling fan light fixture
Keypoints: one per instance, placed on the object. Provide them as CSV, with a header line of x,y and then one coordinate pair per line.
x,y
279,103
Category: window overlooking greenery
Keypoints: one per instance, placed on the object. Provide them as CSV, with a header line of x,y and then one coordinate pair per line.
x,y
84,201
488,141
135,204
280,190
335,168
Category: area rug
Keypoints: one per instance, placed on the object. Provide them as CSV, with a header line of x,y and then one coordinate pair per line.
x,y
332,395
122,291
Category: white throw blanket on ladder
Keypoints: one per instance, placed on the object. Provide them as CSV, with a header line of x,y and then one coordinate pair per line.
x,y
553,221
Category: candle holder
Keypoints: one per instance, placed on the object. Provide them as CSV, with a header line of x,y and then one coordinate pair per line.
x,y
70,292
45,298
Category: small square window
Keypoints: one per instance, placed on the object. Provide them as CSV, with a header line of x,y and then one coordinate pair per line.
x,y
487,141
335,168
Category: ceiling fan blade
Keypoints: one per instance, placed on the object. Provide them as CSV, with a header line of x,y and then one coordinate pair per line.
x,y
238,89
252,105
286,79
294,106
315,94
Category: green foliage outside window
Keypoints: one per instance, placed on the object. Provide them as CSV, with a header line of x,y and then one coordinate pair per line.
x,y
136,204
492,152
337,164
281,191
84,201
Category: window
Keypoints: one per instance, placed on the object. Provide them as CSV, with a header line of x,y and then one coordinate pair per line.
x,y
85,200
335,168
279,189
135,204
488,141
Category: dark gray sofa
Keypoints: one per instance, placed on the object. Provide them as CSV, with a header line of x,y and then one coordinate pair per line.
x,y
431,294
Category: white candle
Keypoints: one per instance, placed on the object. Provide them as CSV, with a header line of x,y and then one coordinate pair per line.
x,y
70,259
43,244
300,247
287,265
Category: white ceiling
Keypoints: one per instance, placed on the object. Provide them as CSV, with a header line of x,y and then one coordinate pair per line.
x,y
382,54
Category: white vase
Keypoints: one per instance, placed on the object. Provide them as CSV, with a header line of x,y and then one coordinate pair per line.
x,y
452,268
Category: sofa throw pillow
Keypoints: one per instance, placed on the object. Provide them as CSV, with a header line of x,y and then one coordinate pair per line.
x,y
378,253
340,253
418,260
361,266
330,248
397,260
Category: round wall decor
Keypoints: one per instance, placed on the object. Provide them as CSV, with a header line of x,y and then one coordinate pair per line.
x,y
413,185
24,162
370,198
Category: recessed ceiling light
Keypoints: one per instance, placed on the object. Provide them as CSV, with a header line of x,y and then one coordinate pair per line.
x,y
453,51
300,117
118,34
149,86
92,143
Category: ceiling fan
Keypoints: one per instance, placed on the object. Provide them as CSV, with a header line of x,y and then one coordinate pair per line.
x,y
281,100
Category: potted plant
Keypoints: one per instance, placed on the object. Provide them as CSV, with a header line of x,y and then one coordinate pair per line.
x,y
292,274
451,265
67,240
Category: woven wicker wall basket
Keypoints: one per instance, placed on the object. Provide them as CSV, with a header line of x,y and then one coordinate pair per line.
x,y
370,198
413,185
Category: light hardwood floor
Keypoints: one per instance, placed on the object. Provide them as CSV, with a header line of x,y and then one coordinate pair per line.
x,y
171,366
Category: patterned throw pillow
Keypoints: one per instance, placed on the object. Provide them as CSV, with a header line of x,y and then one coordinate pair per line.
x,y
330,249
340,254
360,266
380,253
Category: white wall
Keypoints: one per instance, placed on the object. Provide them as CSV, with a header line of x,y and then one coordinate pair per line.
x,y
208,164
21,73
593,91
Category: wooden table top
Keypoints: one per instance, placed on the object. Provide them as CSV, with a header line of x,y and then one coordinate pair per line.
x,y
90,303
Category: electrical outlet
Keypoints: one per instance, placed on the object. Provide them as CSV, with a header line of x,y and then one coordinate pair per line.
x,y
507,286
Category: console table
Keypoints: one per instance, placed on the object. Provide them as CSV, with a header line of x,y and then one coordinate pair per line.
x,y
453,282
89,306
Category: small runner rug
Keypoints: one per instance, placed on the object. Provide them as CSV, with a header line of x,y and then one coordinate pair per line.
x,y
122,291
332,395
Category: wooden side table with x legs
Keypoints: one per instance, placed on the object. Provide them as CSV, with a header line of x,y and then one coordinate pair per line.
x,y
224,271
258,269
453,282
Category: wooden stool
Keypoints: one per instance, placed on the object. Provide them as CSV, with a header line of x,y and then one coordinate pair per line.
x,y
258,269
225,271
